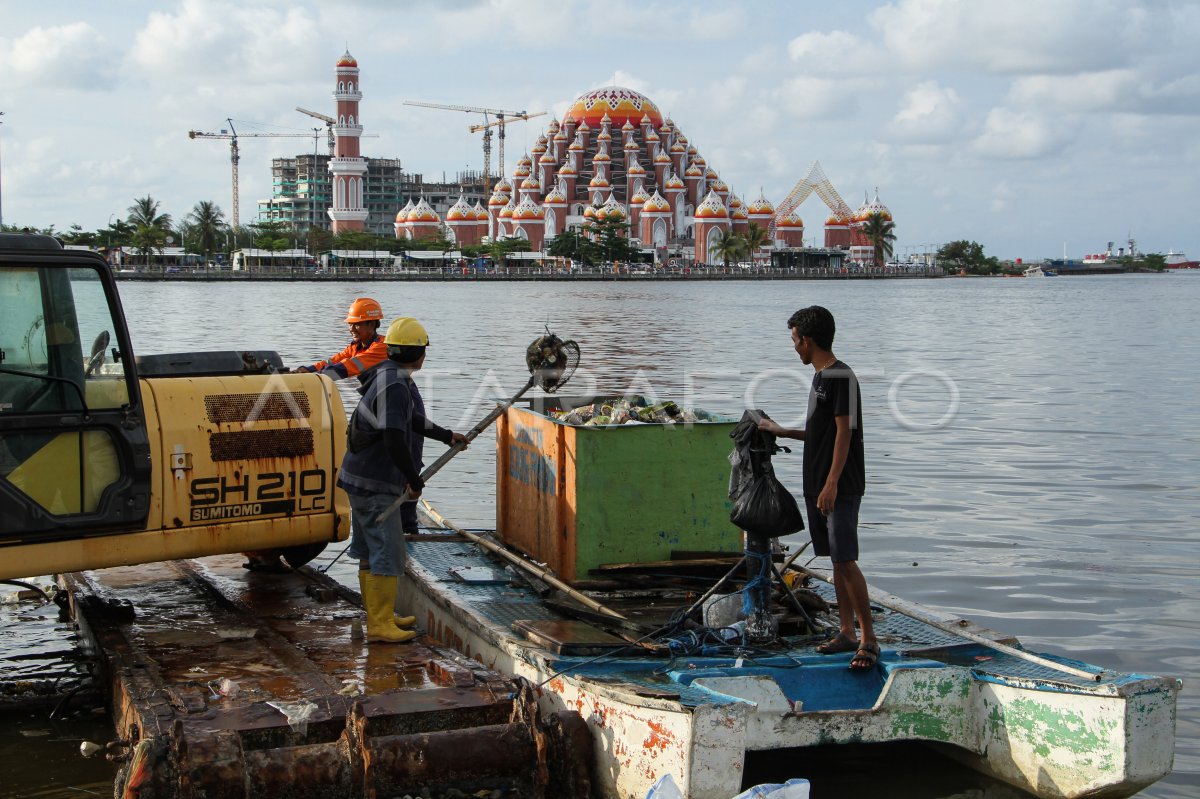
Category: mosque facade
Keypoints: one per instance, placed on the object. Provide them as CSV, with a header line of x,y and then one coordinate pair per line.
x,y
612,156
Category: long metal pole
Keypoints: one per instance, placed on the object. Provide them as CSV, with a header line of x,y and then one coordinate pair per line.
x,y
543,574
907,609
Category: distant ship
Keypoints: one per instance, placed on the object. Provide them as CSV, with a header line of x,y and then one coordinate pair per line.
x,y
1177,260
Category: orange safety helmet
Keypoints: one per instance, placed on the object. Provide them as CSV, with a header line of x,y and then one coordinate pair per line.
x,y
364,309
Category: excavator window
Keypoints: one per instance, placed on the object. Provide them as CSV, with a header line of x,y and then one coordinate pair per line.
x,y
64,385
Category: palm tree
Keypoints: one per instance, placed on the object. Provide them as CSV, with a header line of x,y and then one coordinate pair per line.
x,y
755,238
150,227
208,223
880,231
730,246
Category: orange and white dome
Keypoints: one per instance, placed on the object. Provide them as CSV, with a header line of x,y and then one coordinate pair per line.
x,y
712,208
874,207
402,214
527,209
635,169
568,169
480,213
423,213
531,183
576,144
613,209
631,146
347,60
639,197
657,204
589,212
661,157
738,213
601,157
598,182
498,199
460,211
761,206
791,219
604,135
522,171
833,220
502,187
711,174
693,171
674,182
628,127
678,148
507,211
651,137
716,184
555,197
546,158
734,200
620,105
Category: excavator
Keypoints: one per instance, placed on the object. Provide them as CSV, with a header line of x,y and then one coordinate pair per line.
x,y
108,458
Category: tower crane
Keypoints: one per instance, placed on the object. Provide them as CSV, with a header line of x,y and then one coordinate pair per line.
x,y
232,136
329,123
502,119
486,127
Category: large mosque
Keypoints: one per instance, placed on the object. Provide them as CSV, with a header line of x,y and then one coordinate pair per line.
x,y
613,155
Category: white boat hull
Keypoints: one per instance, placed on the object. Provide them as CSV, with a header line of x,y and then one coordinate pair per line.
x,y
1052,740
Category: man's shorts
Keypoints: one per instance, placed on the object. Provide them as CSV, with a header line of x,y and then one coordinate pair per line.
x,y
835,536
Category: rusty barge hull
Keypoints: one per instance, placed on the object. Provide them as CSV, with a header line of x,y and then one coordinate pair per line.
x,y
230,683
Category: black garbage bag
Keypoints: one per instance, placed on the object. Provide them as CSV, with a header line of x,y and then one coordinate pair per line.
x,y
762,506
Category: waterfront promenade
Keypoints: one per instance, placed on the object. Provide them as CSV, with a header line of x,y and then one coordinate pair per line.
x,y
461,274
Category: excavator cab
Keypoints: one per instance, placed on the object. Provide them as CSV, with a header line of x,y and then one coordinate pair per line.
x,y
74,453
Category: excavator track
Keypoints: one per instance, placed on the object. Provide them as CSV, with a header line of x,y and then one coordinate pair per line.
x,y
233,683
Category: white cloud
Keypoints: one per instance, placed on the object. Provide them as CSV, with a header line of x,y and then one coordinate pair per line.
x,y
73,56
1014,37
816,98
928,114
1123,90
1014,135
836,53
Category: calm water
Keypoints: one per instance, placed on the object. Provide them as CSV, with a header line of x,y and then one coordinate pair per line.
x,y
1033,446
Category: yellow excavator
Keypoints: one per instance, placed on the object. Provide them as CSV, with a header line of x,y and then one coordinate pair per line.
x,y
109,459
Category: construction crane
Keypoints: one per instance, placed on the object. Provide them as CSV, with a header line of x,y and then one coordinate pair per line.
x,y
233,136
486,127
813,182
502,119
329,123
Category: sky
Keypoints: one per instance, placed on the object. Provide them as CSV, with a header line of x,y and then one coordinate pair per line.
x,y
1037,128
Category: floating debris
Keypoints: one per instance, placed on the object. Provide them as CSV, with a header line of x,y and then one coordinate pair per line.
x,y
624,411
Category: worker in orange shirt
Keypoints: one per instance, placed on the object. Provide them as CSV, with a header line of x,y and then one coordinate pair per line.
x,y
366,348
365,351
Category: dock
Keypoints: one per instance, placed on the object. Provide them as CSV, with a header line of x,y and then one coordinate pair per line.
x,y
230,683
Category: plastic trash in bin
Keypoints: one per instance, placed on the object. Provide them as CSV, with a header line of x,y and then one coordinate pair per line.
x,y
792,789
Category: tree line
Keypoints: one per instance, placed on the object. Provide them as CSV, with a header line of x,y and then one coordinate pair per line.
x,y
204,231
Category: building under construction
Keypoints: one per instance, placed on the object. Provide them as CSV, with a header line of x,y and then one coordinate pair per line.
x,y
301,192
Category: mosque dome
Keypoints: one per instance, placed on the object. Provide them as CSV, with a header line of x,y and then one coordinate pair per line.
x,y
531,184
598,182
423,212
347,60
657,204
675,182
738,213
589,212
568,169
555,197
833,220
635,169
460,211
498,199
875,207
502,187
481,214
734,200
507,211
528,209
790,220
717,184
402,214
620,105
761,206
693,171
639,197
712,208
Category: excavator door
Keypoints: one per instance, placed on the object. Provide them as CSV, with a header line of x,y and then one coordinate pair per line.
x,y
74,455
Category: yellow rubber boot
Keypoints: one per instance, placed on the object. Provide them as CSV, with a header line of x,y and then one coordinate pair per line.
x,y
397,619
379,597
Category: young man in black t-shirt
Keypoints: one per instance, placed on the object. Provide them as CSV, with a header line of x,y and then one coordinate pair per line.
x,y
834,478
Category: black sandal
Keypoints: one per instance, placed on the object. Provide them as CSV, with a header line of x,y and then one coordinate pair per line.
x,y
867,656
836,645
